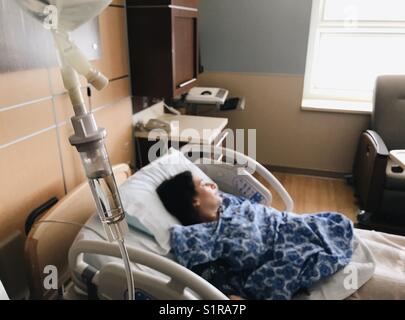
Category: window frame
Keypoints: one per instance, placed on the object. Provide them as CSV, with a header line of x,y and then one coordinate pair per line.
x,y
326,101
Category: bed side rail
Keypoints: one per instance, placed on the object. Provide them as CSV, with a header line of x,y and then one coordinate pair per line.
x,y
181,277
243,161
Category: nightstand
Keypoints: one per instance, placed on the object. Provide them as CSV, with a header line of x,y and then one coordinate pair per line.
x,y
185,129
399,157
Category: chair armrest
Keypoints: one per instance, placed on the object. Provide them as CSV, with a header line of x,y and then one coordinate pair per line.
x,y
369,170
380,146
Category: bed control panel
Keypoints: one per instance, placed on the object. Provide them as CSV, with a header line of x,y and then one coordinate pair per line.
x,y
250,188
230,180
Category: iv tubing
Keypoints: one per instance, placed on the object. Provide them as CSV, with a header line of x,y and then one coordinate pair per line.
x,y
128,272
72,85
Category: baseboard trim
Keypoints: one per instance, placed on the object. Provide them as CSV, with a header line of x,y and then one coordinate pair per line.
x,y
307,172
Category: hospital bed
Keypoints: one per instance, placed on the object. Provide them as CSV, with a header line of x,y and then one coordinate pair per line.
x,y
94,262
97,271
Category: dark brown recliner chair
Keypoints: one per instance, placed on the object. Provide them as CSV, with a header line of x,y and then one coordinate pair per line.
x,y
379,182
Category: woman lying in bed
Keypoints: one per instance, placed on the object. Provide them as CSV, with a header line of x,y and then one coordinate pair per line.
x,y
256,252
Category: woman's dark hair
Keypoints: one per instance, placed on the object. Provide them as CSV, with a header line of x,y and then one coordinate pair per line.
x,y
177,195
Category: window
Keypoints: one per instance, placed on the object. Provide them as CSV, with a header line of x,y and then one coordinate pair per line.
x,y
352,42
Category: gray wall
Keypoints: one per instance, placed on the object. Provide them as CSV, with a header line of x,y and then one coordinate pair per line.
x,y
265,36
257,49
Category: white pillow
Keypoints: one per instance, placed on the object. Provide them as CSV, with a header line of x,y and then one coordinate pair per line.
x,y
141,202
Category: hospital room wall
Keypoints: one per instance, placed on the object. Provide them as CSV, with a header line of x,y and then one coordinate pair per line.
x,y
36,159
259,51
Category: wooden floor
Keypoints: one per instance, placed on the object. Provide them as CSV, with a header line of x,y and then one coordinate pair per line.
x,y
313,194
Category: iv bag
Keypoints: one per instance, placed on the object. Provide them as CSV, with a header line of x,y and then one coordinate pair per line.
x,y
71,13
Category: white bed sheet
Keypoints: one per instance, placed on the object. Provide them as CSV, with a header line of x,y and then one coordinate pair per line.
x,y
388,281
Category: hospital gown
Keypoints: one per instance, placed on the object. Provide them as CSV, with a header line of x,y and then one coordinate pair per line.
x,y
257,252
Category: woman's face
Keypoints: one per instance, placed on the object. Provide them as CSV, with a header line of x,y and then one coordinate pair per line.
x,y
207,200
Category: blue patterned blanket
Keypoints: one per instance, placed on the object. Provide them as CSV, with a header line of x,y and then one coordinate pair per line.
x,y
257,252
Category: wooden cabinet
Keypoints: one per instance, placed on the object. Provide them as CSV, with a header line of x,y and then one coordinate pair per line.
x,y
163,43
